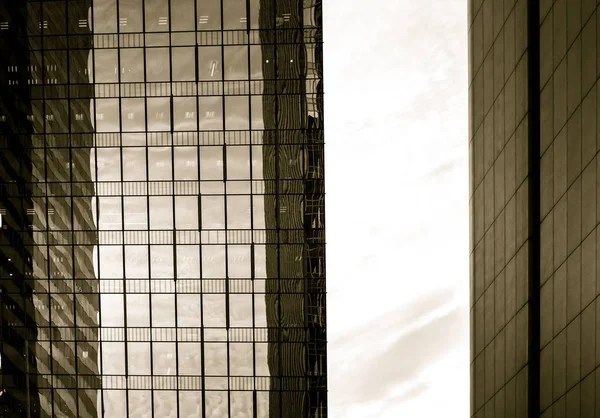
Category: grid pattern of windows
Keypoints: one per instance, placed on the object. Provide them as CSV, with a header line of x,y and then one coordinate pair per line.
x,y
569,209
172,205
569,234
499,206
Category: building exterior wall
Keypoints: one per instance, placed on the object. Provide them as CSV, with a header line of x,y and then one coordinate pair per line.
x,y
49,182
171,210
569,183
564,269
499,207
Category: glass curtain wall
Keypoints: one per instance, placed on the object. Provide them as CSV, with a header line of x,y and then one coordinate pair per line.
x,y
164,191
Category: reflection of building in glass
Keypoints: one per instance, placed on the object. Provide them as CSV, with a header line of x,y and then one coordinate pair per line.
x,y
294,198
534,208
177,269
49,290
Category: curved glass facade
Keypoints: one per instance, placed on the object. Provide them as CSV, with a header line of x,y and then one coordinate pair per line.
x,y
162,209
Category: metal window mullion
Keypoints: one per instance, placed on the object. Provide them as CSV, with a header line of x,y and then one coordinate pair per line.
x,y
202,365
227,319
147,162
252,252
48,266
171,104
95,146
122,213
73,271
277,212
533,60
305,272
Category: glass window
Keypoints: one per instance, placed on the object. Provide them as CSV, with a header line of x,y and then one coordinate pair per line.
x,y
138,310
110,213
188,267
133,115
239,262
130,15
54,18
216,403
163,315
209,14
236,62
111,261
184,63
136,257
213,212
188,311
209,63
256,62
211,113
234,14
135,212
134,164
184,114
186,208
161,212
113,316
157,64
213,262
190,357
114,400
159,163
158,114
161,263
108,162
238,163
138,354
254,13
164,401
107,115
237,113
132,65
182,16
241,353
186,163
157,16
238,212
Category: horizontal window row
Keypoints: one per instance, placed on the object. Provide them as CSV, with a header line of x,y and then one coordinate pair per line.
x,y
187,286
202,37
142,287
299,137
235,189
202,63
56,89
181,383
166,237
131,19
181,334
181,15
160,285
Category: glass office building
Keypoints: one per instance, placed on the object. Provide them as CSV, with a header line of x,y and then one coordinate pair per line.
x,y
162,209
535,174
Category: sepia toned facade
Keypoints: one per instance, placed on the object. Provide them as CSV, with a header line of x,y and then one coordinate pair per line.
x,y
162,202
534,181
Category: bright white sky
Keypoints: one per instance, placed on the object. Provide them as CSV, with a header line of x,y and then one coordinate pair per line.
x,y
396,117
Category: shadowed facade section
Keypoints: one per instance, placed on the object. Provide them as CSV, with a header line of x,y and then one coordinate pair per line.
x,y
294,206
18,384
58,216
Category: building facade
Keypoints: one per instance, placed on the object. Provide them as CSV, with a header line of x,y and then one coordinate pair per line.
x,y
534,178
162,206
